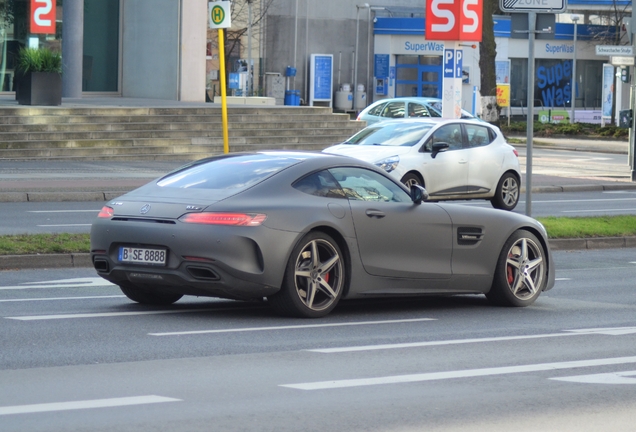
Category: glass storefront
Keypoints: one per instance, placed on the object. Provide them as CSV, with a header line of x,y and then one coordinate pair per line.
x,y
101,41
418,76
552,88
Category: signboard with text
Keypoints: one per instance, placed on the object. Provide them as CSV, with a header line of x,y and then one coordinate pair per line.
x,y
43,16
614,50
552,6
454,20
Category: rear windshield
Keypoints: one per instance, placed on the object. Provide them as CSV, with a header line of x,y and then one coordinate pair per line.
x,y
394,134
234,172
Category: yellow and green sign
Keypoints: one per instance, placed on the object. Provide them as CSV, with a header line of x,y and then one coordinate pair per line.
x,y
219,14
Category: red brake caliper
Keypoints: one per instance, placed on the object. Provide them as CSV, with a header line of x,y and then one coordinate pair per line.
x,y
511,277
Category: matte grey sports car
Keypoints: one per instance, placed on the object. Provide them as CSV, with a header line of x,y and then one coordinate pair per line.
x,y
305,230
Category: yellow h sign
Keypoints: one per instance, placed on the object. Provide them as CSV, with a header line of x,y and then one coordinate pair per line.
x,y
219,14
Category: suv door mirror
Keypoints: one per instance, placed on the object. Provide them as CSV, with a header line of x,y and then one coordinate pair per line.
x,y
439,147
418,194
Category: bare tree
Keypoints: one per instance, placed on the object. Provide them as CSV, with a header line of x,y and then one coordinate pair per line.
x,y
488,49
236,37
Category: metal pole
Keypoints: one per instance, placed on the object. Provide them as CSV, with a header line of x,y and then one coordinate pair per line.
x,y
532,26
355,62
226,140
575,18
295,46
250,84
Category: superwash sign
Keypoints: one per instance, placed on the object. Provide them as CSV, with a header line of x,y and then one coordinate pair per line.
x,y
454,20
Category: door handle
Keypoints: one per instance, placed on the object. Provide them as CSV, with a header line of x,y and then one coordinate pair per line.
x,y
375,214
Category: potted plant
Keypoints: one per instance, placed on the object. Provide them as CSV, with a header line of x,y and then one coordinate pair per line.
x,y
39,77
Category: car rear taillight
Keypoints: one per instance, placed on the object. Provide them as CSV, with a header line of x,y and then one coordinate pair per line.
x,y
233,219
358,118
106,212
515,152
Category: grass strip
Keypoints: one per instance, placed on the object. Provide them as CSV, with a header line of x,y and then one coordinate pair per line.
x,y
585,227
25,244
557,227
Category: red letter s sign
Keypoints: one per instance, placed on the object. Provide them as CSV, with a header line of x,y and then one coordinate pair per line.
x,y
43,16
454,20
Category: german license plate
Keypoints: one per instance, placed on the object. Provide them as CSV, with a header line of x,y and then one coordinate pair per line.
x,y
143,255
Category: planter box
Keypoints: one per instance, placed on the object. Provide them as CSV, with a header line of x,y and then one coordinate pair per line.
x,y
39,88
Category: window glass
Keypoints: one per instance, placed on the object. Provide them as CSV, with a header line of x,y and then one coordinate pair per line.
x,y
320,184
360,184
450,134
407,74
231,173
375,111
394,134
394,110
406,59
431,60
418,110
405,90
478,135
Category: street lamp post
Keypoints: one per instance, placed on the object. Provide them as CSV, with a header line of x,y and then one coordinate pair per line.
x,y
355,64
575,19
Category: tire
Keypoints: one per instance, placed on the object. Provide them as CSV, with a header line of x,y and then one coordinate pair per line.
x,y
147,297
410,179
521,271
314,278
507,193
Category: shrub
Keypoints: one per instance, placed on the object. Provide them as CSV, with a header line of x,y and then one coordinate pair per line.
x,y
39,60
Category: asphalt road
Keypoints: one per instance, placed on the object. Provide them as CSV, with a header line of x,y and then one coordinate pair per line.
x,y
77,356
76,217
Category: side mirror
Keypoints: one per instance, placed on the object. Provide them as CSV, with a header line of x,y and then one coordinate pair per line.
x,y
439,147
418,194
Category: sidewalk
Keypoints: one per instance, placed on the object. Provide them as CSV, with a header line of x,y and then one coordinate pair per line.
x,y
101,181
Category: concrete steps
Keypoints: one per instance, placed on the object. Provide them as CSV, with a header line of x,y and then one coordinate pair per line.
x,y
164,133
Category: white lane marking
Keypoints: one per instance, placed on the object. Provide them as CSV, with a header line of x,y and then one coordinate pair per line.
x,y
63,225
617,331
562,279
292,327
609,331
95,403
470,373
62,283
103,314
603,378
584,200
598,211
61,298
63,211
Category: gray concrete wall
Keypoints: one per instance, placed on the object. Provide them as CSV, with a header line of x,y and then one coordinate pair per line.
x,y
150,52
330,29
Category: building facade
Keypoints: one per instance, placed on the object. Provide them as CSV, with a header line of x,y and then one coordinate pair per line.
x,y
163,49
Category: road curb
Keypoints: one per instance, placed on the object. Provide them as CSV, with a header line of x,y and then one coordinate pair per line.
x,y
72,260
43,261
104,196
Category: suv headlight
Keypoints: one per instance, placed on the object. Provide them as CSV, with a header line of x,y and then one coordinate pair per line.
x,y
388,164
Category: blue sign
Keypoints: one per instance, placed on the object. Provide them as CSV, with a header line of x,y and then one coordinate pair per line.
x,y
459,56
381,66
449,63
234,81
323,70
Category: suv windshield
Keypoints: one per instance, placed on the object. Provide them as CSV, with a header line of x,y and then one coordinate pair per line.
x,y
394,134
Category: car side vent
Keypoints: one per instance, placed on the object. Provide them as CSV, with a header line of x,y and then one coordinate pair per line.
x,y
468,236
